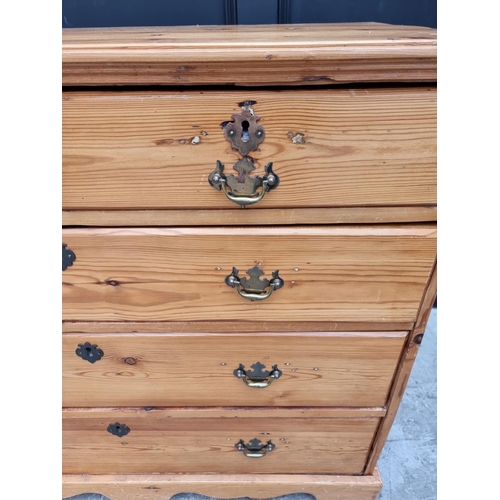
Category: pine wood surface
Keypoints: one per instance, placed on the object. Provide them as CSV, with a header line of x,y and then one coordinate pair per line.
x,y
337,369
404,369
238,217
342,273
159,442
214,413
156,486
360,147
228,326
352,293
249,55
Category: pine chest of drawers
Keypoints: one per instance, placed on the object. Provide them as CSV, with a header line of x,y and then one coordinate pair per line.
x,y
249,255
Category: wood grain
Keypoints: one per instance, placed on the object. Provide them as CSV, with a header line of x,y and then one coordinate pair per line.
x,y
249,55
165,443
214,413
154,487
337,369
342,273
238,217
367,156
403,372
360,147
229,326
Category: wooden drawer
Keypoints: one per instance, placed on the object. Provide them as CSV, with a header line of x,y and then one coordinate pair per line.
x,y
186,441
317,369
373,274
330,148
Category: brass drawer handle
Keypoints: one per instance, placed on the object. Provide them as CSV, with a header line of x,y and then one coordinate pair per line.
x,y
257,378
253,288
243,188
255,448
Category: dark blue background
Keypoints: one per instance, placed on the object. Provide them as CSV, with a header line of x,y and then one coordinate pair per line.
x,y
100,13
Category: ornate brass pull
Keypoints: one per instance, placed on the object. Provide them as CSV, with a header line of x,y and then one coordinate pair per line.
x,y
257,378
255,448
243,188
253,288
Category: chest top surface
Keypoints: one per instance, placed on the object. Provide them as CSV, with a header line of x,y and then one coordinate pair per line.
x,y
300,54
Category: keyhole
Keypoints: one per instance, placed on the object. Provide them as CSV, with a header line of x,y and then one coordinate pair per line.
x,y
244,131
89,352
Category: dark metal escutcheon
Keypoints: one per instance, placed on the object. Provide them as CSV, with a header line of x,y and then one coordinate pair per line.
x,y
243,188
255,448
68,257
89,352
257,378
118,429
244,133
254,288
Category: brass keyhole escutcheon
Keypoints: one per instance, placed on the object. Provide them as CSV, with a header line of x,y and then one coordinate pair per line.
x,y
244,133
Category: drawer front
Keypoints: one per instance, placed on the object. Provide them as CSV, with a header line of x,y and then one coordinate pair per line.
x,y
201,441
330,148
331,274
329,369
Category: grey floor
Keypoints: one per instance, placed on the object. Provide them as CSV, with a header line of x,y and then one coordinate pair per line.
x,y
408,462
